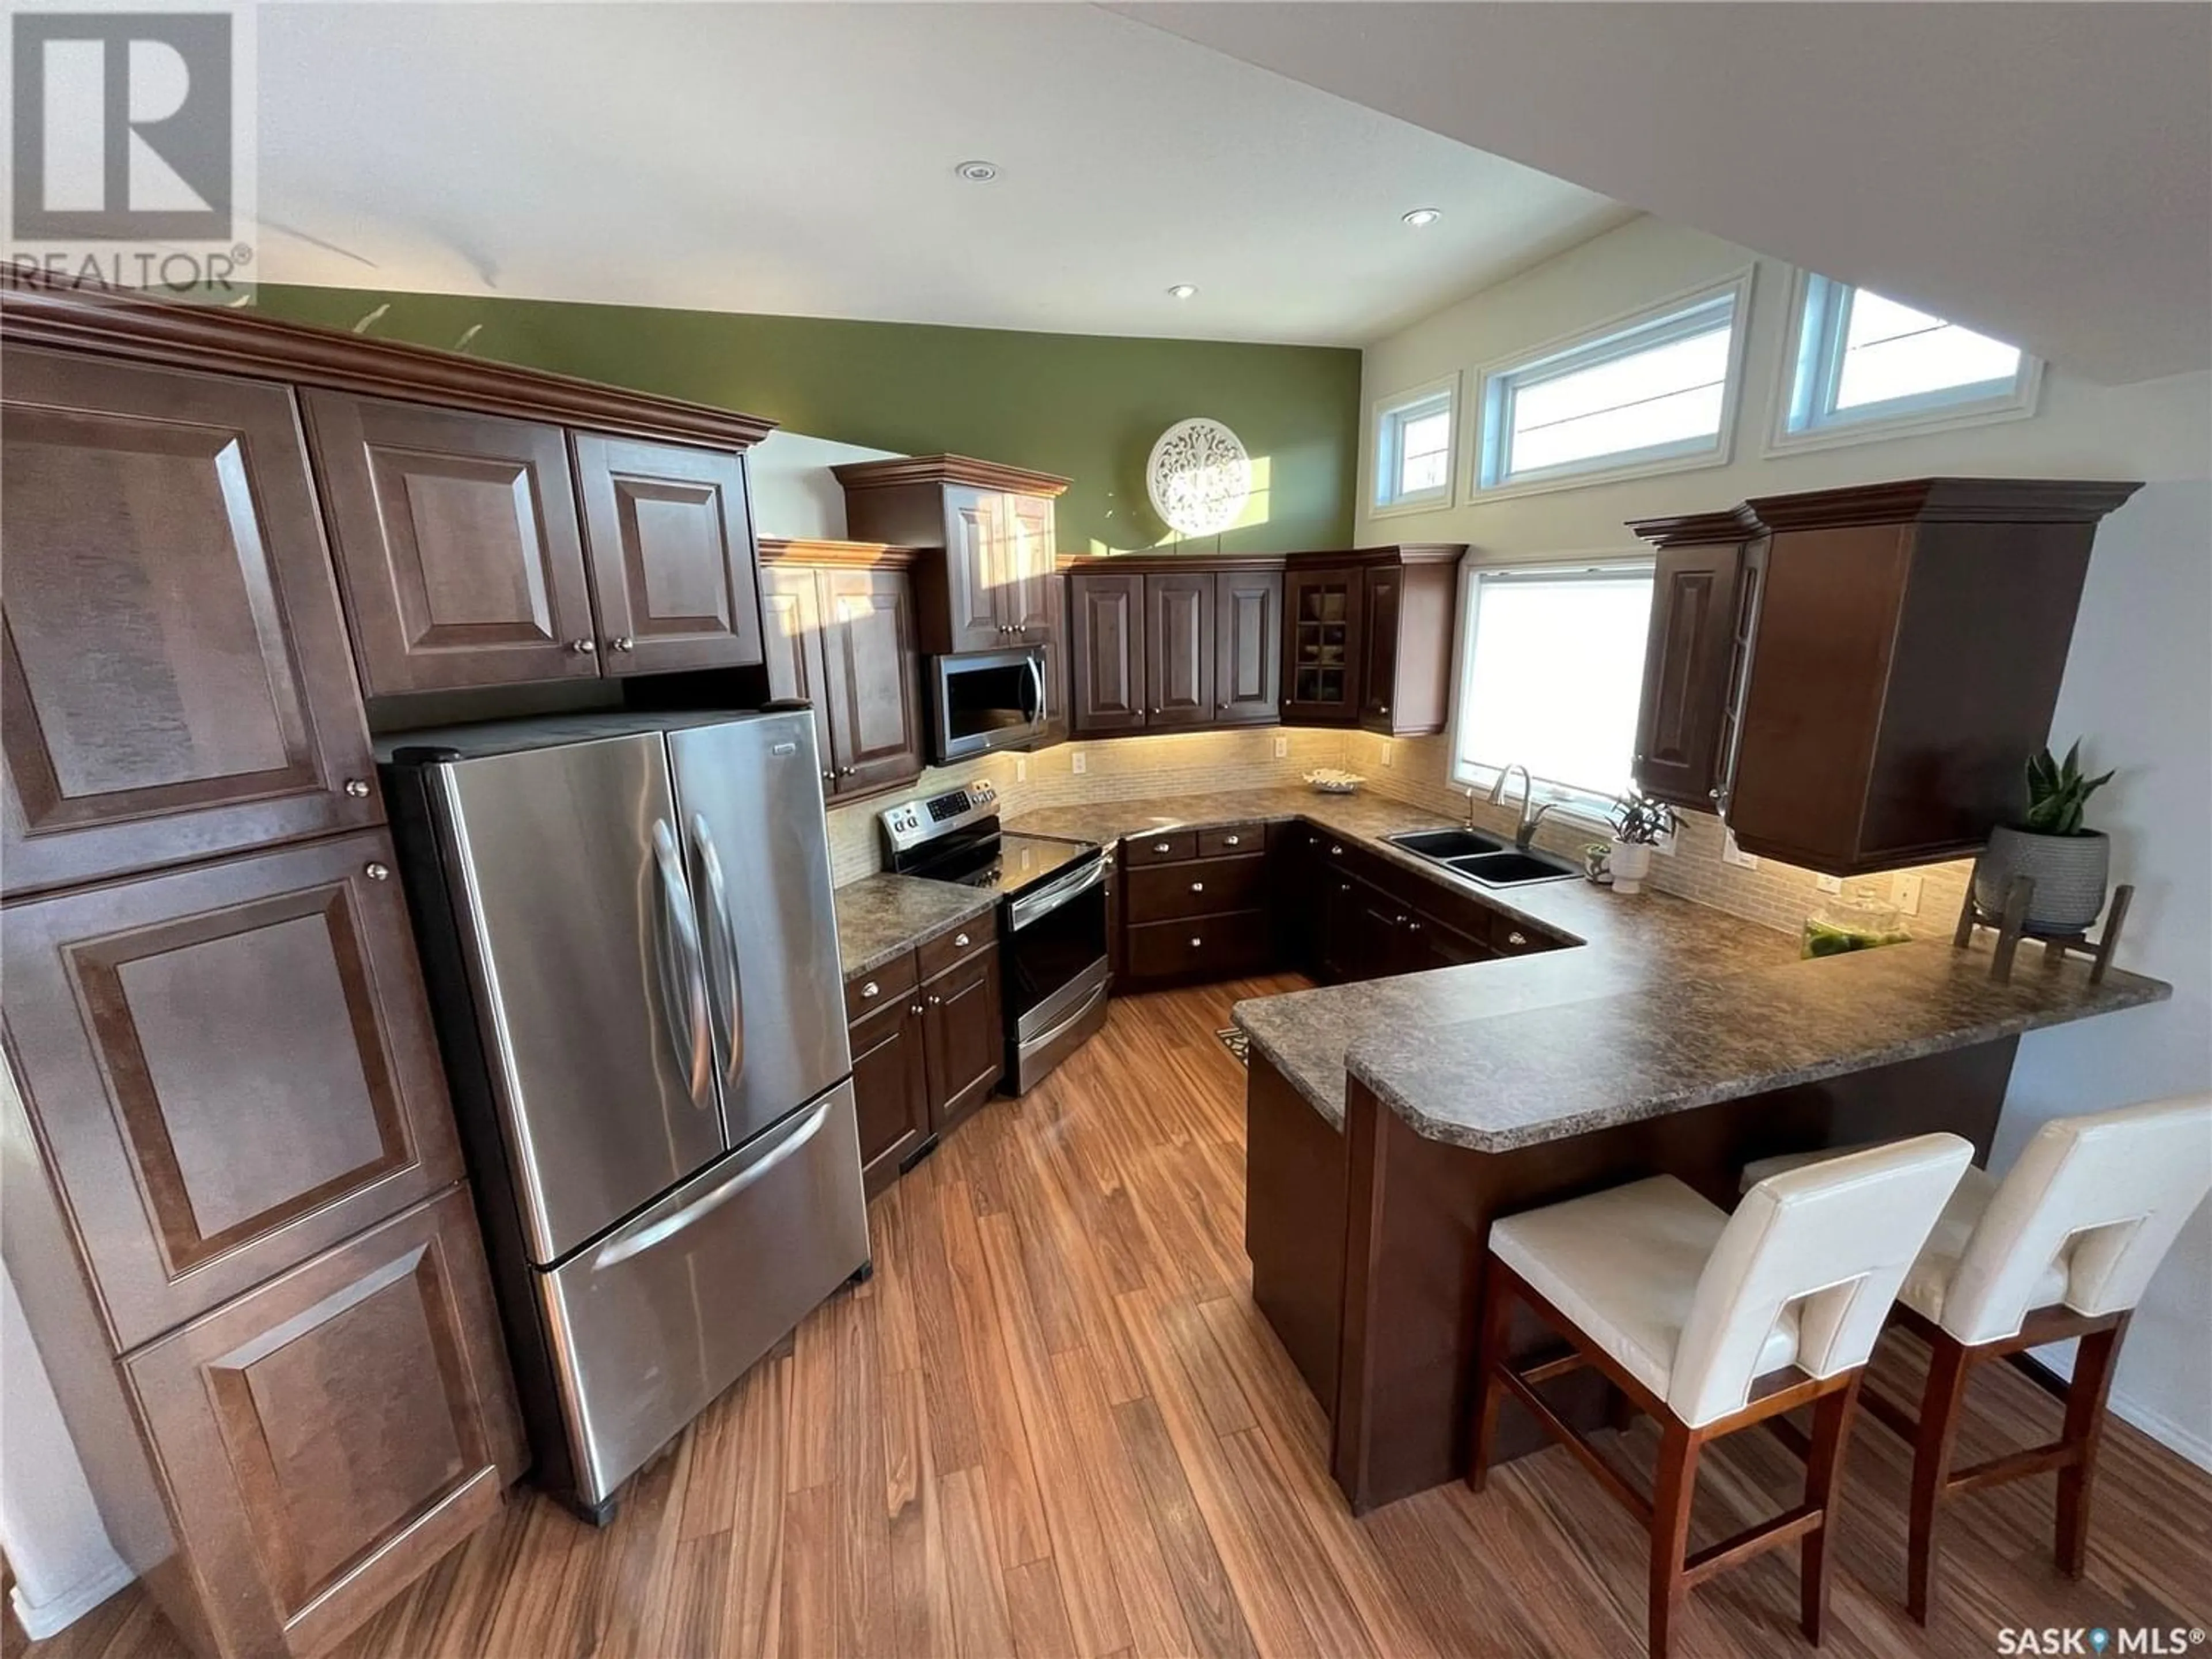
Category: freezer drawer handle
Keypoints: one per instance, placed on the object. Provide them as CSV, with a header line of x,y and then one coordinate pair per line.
x,y
620,1249
725,999
682,972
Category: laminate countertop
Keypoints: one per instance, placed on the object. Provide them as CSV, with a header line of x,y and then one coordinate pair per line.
x,y
882,917
1658,1004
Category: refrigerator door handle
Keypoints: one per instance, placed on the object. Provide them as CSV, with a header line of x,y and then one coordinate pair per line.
x,y
726,990
682,976
624,1245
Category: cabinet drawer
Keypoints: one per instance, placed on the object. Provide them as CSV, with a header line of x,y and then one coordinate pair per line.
x,y
324,1439
1198,887
1159,846
231,1067
1232,839
957,944
1205,946
880,988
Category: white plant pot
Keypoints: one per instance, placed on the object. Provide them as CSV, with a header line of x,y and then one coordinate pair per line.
x,y
1630,862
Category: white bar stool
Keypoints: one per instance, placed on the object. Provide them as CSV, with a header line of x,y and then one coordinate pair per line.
x,y
2063,1246
1710,1322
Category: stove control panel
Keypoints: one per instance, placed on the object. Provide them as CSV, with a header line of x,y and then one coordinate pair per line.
x,y
911,822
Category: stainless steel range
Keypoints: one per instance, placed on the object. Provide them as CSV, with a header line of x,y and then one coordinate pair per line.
x,y
1052,916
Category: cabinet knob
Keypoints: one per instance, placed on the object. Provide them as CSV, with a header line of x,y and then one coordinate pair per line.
x,y
584,647
1412,927
936,1002
376,871
1161,847
1344,887
959,940
1195,941
871,990
1713,794
846,771
1336,851
357,788
914,1008
1382,709
1198,887
623,642
1517,937
1402,920
1232,841
830,774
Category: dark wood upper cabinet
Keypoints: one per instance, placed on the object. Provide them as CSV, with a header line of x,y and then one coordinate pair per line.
x,y
1179,648
1895,656
1686,661
230,1067
327,1437
1378,656
1108,646
1409,617
871,670
1321,609
791,619
175,681
459,543
974,612
1248,647
670,541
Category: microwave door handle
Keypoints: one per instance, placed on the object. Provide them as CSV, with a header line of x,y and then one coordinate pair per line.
x,y
1037,681
624,1245
1044,901
683,976
726,996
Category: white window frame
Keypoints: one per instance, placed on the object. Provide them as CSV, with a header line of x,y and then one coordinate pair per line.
x,y
1573,802
1622,336
1804,389
1390,415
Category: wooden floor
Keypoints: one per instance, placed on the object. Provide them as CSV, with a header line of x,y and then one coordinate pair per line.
x,y
1053,1424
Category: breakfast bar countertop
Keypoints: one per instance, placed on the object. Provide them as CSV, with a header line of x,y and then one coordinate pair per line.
x,y
882,917
1658,1005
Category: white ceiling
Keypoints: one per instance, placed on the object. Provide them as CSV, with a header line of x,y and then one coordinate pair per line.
x,y
799,159
2043,172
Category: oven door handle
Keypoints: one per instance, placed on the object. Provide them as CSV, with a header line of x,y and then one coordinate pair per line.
x,y
1046,900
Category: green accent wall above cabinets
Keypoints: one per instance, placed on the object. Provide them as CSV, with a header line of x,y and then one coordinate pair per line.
x,y
1084,406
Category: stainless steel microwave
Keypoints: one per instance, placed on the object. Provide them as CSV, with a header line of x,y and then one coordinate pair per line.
x,y
980,701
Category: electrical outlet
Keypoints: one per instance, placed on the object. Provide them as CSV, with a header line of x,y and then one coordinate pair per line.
x,y
1282,748
1828,884
1732,853
1021,769
1387,747
1907,890
1076,763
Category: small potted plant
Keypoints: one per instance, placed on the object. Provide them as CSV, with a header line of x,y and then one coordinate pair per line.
x,y
1639,823
2070,864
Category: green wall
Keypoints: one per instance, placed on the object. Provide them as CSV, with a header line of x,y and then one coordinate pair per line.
x,y
1085,406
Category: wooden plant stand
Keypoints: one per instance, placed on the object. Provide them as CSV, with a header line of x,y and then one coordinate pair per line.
x,y
2010,924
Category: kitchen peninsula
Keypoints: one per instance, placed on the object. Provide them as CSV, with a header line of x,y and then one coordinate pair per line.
x,y
1390,1119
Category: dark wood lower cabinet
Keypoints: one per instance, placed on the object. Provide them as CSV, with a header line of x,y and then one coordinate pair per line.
x,y
928,1041
324,1439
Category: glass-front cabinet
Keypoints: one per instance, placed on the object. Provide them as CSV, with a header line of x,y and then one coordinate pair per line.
x,y
1320,644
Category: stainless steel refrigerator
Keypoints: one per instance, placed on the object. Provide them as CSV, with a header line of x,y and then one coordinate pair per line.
x,y
628,927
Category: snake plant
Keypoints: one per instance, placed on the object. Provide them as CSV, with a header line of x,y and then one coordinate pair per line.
x,y
2056,792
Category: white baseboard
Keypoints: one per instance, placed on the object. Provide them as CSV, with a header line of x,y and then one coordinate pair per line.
x,y
44,1619
2175,1436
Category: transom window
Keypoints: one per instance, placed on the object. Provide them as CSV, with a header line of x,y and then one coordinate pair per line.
x,y
1656,393
1862,360
1551,673
1413,449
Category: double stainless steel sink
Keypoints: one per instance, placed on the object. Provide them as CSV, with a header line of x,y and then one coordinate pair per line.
x,y
1484,858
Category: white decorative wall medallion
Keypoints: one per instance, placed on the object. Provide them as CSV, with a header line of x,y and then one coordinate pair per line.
x,y
1199,476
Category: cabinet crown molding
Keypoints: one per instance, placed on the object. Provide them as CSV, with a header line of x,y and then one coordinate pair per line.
x,y
947,470
1942,501
117,323
1738,524
1164,563
780,549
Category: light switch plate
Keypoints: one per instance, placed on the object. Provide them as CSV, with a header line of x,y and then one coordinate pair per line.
x,y
1387,747
1021,769
1076,763
1828,884
1907,892
1732,853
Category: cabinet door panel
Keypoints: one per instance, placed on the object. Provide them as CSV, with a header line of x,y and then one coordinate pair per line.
x,y
1247,647
1685,672
791,615
967,1040
891,1089
1179,649
974,569
1109,652
873,678
1027,602
229,1067
1378,655
458,539
328,1436
1322,645
671,541
174,670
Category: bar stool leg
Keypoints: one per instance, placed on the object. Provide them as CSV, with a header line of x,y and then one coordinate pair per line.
x,y
1824,1463
1490,1359
1948,1365
1676,1485
2094,1362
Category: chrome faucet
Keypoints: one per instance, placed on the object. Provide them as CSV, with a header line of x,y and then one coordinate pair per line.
x,y
1531,814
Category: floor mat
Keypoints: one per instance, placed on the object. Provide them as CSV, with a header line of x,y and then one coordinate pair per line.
x,y
1237,1044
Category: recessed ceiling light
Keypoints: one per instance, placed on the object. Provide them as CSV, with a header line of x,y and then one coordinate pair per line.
x,y
978,172
1183,291
1421,217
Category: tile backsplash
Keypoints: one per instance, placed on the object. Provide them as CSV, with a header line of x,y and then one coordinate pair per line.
x,y
1416,770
